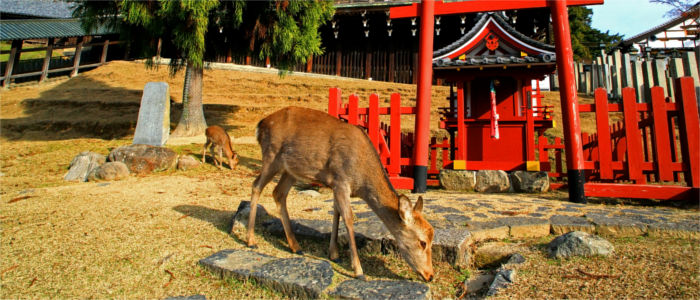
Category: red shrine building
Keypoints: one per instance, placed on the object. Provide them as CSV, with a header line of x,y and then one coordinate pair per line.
x,y
493,114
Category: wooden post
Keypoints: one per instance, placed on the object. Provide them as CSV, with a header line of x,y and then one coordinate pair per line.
x,y
648,81
47,59
373,121
617,75
461,154
603,129
659,75
689,129
634,140
105,46
638,79
690,65
76,57
395,135
392,64
588,82
368,64
626,71
662,143
338,61
15,53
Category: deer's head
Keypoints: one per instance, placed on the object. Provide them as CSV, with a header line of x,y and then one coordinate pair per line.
x,y
415,237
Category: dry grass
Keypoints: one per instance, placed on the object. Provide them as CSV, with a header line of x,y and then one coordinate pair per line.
x,y
142,237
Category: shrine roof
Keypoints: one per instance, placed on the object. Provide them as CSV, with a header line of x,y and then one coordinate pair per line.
x,y
494,42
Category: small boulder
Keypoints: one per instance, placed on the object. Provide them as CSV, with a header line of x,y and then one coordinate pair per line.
x,y
82,164
530,182
142,159
186,162
504,278
457,180
109,171
579,243
492,181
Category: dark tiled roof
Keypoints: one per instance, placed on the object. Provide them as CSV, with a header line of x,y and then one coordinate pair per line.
x,y
44,28
53,9
493,59
482,19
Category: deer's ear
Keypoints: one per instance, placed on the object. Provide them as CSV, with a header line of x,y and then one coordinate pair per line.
x,y
418,208
405,210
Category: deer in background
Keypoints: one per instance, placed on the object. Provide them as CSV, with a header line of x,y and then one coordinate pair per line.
x,y
309,145
219,143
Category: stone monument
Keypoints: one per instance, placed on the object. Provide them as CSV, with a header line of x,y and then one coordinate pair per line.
x,y
153,125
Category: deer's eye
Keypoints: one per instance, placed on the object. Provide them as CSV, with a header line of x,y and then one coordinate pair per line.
x,y
423,244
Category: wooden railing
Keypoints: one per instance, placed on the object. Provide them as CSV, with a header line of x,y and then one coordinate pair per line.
x,y
386,138
656,142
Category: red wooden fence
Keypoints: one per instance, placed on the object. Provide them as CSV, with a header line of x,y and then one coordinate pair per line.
x,y
387,139
622,159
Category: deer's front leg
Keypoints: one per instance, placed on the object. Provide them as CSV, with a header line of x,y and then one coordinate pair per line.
x,y
333,248
342,199
280,195
268,171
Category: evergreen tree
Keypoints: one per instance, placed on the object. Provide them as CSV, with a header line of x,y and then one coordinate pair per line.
x,y
586,40
286,31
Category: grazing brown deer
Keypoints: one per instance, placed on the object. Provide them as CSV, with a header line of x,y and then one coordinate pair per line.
x,y
218,142
310,145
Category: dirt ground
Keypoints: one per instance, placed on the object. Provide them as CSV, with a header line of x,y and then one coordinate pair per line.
x,y
142,237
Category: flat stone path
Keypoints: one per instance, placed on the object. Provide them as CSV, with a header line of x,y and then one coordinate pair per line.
x,y
302,277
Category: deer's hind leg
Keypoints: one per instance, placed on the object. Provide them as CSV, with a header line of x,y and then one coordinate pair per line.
x,y
269,170
280,194
204,149
333,248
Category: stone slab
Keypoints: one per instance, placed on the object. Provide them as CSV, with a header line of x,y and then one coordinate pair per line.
x,y
381,289
616,225
453,245
192,297
153,125
488,230
564,224
689,229
298,277
523,227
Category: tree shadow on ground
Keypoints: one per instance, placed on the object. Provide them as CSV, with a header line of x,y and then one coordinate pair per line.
x,y
222,220
86,108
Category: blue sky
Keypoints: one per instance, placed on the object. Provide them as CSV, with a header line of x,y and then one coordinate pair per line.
x,y
628,17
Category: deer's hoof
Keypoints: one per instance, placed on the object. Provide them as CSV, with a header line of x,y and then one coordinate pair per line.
x,y
253,246
337,260
361,277
299,252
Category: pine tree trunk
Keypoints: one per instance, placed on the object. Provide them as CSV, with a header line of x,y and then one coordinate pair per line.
x,y
192,121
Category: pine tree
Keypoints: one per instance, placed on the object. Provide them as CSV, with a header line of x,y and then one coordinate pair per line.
x,y
286,31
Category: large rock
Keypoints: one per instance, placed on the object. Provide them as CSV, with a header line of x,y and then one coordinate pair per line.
x,y
109,171
503,278
82,164
144,158
578,243
530,182
153,125
457,180
492,181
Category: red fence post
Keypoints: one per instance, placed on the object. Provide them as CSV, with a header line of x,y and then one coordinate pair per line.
x,y
352,110
690,129
373,121
395,135
543,153
334,101
634,140
662,144
461,130
603,128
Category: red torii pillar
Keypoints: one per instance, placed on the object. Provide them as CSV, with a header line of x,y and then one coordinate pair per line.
x,y
565,66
